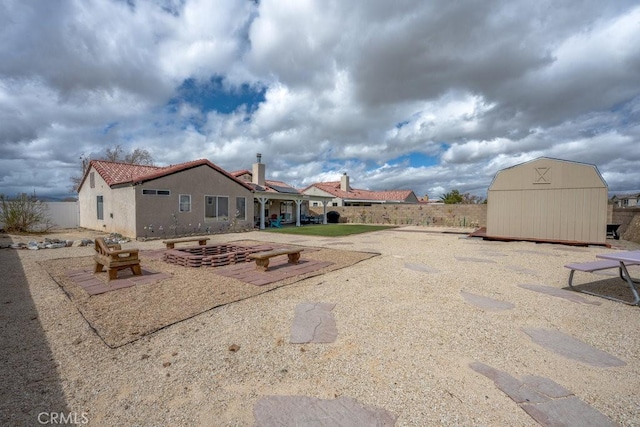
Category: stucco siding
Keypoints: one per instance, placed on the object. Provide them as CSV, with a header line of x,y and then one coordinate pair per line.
x,y
160,214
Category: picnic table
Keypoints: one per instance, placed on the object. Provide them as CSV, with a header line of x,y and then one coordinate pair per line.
x,y
624,259
620,260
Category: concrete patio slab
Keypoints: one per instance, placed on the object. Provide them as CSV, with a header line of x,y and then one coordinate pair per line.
x,y
544,400
486,303
313,323
572,348
281,411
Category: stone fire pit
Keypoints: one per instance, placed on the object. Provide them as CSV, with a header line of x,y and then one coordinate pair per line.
x,y
212,255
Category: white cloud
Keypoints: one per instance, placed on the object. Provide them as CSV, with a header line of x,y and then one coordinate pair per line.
x,y
355,87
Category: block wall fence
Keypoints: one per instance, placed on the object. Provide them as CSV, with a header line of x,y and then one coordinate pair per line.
x,y
65,215
444,215
425,215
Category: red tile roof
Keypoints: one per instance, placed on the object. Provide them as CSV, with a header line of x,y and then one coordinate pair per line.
x,y
333,188
115,173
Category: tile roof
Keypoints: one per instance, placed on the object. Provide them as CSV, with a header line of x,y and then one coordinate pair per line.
x,y
115,173
333,188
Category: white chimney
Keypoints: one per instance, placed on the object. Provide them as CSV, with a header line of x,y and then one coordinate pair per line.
x,y
344,182
257,175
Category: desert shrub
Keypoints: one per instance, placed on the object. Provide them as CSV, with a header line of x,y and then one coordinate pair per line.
x,y
24,214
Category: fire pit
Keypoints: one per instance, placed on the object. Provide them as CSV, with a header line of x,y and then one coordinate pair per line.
x,y
212,255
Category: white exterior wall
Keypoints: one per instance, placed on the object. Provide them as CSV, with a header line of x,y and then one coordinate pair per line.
x,y
118,207
314,191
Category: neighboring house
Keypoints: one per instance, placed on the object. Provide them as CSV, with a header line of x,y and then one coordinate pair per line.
x,y
343,194
150,201
626,200
276,199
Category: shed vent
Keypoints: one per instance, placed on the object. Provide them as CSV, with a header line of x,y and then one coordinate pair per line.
x,y
542,175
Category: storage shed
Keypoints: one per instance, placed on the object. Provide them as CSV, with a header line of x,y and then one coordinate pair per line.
x,y
548,200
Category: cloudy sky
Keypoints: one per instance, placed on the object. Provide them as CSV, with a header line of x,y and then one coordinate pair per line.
x,y
408,94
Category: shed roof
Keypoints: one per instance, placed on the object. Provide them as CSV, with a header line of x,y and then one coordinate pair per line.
x,y
548,173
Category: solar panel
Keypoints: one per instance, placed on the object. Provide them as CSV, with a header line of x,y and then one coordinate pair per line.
x,y
281,189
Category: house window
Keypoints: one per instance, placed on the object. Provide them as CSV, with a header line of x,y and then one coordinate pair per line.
x,y
151,192
216,208
100,206
241,208
185,203
92,179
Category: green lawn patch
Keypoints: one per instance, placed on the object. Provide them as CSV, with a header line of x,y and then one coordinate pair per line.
x,y
329,230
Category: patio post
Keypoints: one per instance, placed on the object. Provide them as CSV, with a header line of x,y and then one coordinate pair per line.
x,y
324,207
298,203
262,201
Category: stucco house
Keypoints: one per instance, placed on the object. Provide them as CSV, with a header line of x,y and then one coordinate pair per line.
x,y
277,199
343,194
626,200
151,201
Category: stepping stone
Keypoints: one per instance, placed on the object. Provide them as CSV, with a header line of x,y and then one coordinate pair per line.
x,y
421,268
569,249
544,400
560,293
470,259
530,251
486,303
272,411
494,253
523,270
567,346
313,323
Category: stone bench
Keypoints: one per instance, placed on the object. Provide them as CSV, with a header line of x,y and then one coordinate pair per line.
x,y
172,242
262,258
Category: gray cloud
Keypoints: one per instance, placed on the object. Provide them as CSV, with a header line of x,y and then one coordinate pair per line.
x,y
356,87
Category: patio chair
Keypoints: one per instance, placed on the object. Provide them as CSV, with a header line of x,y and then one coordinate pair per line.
x,y
114,258
276,223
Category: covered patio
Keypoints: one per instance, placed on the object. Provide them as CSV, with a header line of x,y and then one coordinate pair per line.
x,y
286,205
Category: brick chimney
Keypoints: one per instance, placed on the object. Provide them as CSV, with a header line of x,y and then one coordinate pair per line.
x,y
257,175
344,183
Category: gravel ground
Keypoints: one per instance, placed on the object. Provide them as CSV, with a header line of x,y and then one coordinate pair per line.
x,y
405,339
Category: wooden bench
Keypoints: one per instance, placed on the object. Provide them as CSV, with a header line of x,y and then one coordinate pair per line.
x,y
172,242
593,266
262,258
114,258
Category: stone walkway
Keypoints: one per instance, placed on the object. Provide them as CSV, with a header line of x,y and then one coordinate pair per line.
x,y
89,281
544,400
279,269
